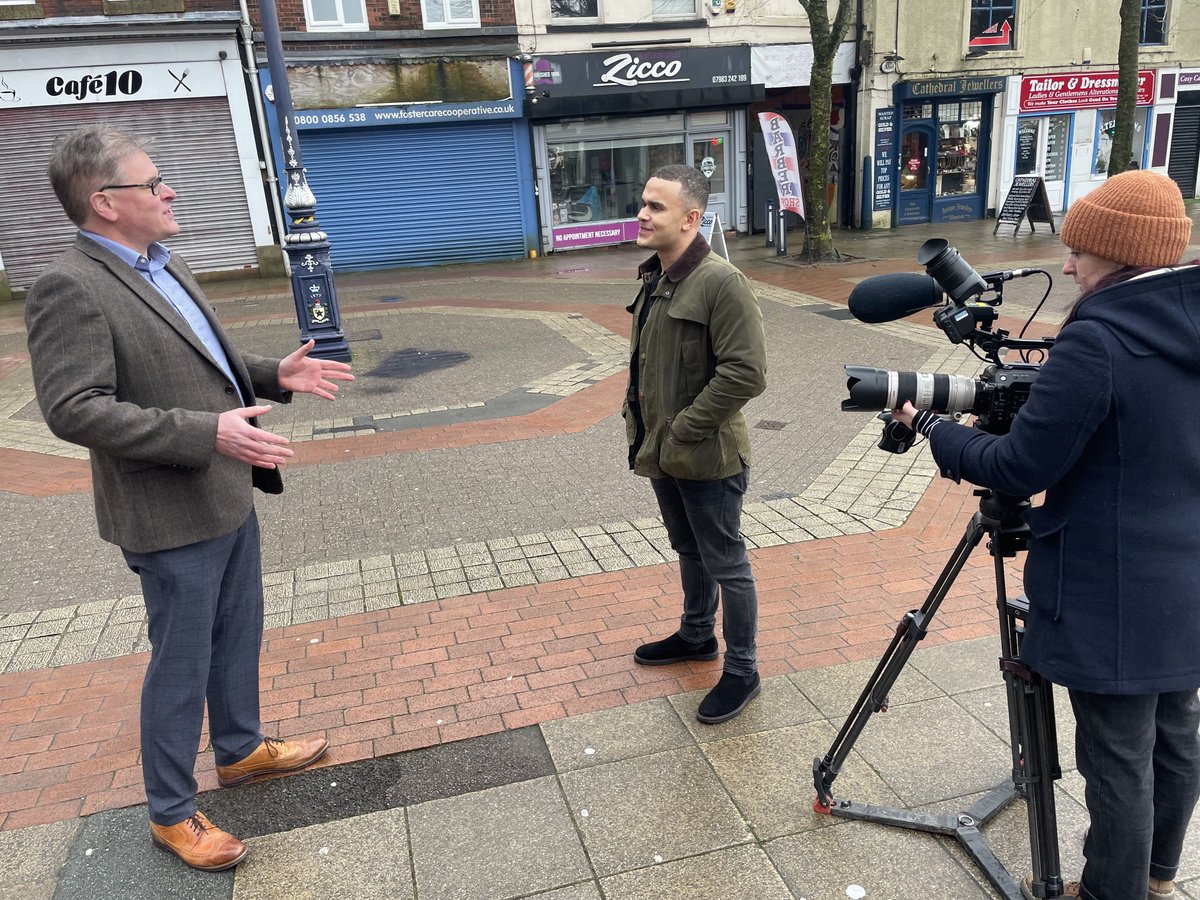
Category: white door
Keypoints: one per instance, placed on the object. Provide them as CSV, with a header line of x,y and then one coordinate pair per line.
x,y
709,155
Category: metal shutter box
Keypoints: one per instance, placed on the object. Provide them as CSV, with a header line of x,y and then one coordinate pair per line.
x,y
414,196
1185,149
194,148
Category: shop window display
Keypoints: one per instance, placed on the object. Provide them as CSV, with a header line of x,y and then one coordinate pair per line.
x,y
958,148
1105,126
602,180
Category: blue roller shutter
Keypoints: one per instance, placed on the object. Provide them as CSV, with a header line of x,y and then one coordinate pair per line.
x,y
412,196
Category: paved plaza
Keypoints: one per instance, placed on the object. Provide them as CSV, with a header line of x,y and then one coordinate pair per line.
x,y
457,574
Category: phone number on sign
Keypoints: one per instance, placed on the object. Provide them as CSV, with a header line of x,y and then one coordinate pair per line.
x,y
329,118
730,79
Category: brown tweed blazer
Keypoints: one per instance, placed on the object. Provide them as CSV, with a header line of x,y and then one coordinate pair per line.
x,y
117,370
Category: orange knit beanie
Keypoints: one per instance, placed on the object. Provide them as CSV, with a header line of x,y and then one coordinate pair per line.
x,y
1135,218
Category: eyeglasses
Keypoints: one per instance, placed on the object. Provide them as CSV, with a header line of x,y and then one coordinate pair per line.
x,y
152,185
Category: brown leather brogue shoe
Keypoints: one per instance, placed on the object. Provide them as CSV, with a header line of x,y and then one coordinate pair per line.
x,y
271,757
200,843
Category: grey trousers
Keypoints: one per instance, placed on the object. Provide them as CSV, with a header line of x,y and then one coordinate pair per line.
x,y
205,608
1139,756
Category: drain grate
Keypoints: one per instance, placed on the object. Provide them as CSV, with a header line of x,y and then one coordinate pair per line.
x,y
770,425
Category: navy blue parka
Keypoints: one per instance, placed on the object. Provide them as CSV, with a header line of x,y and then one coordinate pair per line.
x,y
1111,433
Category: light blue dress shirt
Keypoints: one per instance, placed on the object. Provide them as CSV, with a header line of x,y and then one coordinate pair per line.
x,y
154,270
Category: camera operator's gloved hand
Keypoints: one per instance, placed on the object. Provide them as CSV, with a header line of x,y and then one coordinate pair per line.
x,y
925,421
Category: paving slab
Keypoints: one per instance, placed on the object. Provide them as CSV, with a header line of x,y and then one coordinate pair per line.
x,y
30,859
769,775
610,735
652,809
739,873
500,843
365,857
867,861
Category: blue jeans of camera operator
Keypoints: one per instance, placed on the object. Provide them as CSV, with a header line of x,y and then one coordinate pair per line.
x,y
1128,747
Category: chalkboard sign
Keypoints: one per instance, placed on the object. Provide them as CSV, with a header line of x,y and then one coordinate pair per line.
x,y
1026,197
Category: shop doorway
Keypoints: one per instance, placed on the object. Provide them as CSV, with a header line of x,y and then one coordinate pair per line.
x,y
708,153
913,176
1042,149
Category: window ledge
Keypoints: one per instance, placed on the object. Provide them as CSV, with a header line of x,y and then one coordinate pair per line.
x,y
301,37
140,7
22,11
609,28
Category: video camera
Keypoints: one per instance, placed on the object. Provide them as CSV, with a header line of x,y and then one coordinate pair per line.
x,y
968,309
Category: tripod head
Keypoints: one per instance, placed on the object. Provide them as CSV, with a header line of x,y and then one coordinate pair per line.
x,y
1001,517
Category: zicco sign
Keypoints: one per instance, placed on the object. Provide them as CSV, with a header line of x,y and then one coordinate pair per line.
x,y
593,74
627,70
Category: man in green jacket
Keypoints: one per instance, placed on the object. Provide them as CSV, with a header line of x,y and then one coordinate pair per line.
x,y
697,354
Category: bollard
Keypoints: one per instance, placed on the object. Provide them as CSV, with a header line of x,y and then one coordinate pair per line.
x,y
770,224
781,242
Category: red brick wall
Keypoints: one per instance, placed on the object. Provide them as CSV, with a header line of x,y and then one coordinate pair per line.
x,y
291,15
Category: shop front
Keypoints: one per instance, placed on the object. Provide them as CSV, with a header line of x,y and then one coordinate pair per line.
x,y
1059,127
604,122
187,94
785,71
1184,157
414,180
942,146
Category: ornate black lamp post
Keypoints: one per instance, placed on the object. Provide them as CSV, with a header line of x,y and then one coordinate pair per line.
x,y
307,246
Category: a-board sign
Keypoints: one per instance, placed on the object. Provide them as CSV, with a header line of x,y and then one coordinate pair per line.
x,y
710,227
1026,197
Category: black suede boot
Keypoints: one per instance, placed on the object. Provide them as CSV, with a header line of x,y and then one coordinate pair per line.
x,y
728,698
674,649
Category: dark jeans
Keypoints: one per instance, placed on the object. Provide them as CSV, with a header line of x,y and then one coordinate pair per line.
x,y
1140,758
704,522
205,607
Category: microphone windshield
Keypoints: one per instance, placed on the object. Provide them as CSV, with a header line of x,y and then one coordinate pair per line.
x,y
885,298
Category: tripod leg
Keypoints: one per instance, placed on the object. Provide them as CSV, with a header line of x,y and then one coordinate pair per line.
x,y
1035,770
909,632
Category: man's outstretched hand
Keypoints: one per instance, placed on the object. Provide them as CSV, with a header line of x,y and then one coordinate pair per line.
x,y
302,374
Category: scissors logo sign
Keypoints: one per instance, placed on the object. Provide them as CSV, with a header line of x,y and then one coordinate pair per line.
x,y
179,80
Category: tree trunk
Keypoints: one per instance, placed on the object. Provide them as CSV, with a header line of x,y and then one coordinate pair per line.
x,y
826,38
1127,62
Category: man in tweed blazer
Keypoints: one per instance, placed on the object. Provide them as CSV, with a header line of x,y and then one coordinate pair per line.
x,y
130,361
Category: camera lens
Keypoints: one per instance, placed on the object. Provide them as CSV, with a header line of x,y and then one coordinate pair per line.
x,y
875,389
946,266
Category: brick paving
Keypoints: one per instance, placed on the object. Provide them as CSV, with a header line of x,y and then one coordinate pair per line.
x,y
390,680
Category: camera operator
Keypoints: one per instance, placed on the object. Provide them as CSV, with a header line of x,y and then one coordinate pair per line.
x,y
1109,433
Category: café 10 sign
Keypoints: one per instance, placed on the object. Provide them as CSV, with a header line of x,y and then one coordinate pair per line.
x,y
70,86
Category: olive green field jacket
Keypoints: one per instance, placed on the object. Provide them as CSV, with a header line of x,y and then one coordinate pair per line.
x,y
701,355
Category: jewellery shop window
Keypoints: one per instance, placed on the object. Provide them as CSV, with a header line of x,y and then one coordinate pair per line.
x,y
958,147
918,111
602,179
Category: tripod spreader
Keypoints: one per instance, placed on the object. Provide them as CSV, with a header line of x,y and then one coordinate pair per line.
x,y
1030,713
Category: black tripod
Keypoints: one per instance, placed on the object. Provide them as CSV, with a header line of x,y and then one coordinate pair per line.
x,y
1030,718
